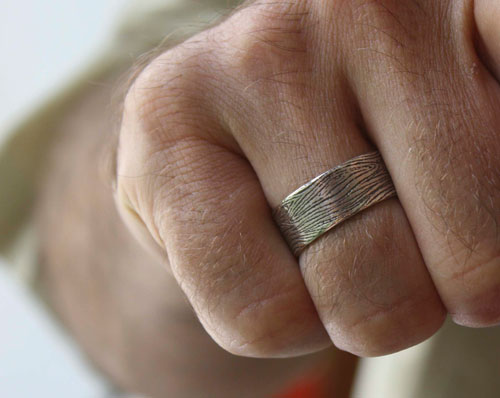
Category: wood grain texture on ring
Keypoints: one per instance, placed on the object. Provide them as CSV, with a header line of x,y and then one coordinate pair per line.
x,y
331,198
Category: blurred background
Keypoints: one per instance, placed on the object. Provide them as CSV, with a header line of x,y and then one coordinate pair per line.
x,y
44,44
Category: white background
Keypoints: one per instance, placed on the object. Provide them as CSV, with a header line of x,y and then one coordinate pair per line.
x,y
43,43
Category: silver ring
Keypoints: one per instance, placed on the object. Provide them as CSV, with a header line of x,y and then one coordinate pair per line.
x,y
331,198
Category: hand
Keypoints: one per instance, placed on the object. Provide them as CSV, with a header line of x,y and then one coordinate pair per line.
x,y
218,130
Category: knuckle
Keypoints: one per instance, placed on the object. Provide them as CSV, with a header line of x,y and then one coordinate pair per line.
x,y
157,136
269,326
398,38
476,294
271,39
365,262
168,91
247,335
457,180
385,23
252,313
390,329
373,300
466,266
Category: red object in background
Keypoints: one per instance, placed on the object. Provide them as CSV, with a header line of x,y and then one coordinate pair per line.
x,y
308,387
332,378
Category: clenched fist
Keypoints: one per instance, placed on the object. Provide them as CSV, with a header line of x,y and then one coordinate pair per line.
x,y
217,131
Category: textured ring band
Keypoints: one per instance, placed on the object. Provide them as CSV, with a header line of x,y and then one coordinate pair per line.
x,y
331,198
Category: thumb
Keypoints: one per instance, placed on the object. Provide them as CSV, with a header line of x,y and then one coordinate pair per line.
x,y
487,14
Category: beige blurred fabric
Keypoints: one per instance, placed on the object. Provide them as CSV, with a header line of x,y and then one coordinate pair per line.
x,y
147,24
457,362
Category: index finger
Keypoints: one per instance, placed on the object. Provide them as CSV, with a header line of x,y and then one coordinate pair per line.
x,y
203,204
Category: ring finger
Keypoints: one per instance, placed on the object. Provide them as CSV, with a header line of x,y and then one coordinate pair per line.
x,y
366,277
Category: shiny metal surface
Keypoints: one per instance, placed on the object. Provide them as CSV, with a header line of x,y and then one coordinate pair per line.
x,y
331,198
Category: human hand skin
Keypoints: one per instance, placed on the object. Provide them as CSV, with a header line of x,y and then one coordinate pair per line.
x,y
218,130
126,313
